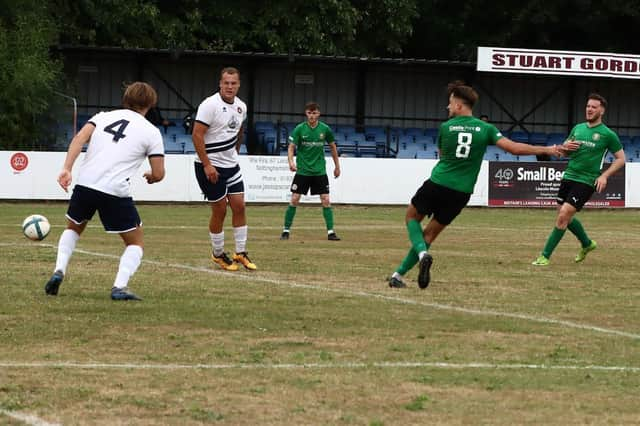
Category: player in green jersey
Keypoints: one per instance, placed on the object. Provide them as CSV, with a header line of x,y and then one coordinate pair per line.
x,y
583,176
308,139
462,143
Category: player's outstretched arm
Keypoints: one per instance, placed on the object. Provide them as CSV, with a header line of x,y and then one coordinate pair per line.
x,y
517,148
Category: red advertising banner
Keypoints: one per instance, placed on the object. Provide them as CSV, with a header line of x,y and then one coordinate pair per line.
x,y
520,184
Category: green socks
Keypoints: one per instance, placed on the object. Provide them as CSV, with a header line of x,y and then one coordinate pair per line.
x,y
415,236
288,216
409,261
327,213
553,240
576,229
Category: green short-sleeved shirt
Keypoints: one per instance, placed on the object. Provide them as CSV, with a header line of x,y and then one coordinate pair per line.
x,y
310,143
462,141
585,163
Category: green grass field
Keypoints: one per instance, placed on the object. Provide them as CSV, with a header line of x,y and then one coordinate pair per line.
x,y
315,336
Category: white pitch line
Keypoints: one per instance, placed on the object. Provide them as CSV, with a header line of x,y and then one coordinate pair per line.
x,y
27,418
344,365
253,277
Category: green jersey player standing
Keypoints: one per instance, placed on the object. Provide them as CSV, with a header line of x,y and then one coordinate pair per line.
x,y
309,139
462,142
583,176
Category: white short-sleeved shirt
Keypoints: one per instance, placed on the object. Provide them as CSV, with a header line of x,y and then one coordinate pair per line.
x,y
224,121
121,141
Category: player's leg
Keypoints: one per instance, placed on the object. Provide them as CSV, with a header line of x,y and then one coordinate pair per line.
x,y
216,234
299,187
120,216
80,211
129,263
571,198
446,204
327,214
289,215
320,186
240,229
564,216
582,193
216,193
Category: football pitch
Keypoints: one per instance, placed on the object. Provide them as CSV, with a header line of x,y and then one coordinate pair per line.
x,y
316,336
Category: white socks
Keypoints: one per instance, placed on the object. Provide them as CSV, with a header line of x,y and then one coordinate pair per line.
x,y
217,242
66,245
240,235
129,262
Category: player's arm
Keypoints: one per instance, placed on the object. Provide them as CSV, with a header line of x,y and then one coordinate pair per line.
x,y
336,159
517,148
157,169
75,148
618,163
290,151
199,129
240,138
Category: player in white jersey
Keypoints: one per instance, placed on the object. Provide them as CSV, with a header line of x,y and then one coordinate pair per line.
x,y
217,136
119,141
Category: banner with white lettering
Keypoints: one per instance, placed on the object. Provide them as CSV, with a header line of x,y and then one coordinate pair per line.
x,y
559,62
518,184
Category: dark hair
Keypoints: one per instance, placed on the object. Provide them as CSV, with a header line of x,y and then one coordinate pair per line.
x,y
229,70
312,106
463,92
598,97
139,96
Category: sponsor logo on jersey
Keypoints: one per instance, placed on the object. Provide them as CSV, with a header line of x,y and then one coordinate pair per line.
x,y
596,137
233,122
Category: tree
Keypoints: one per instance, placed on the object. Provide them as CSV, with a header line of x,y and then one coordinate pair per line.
x,y
332,27
28,76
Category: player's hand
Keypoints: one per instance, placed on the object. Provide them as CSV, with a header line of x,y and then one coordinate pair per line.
x,y
149,177
556,151
292,167
336,172
570,145
601,183
211,173
64,179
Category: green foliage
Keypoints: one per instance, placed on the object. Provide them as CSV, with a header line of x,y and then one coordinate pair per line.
x,y
28,75
335,27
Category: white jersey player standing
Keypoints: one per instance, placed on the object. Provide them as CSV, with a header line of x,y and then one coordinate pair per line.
x,y
217,136
119,141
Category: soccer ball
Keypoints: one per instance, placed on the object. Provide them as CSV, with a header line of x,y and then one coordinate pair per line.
x,y
36,227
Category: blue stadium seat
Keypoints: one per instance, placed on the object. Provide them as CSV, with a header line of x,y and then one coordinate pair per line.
x,y
433,132
527,158
430,155
538,138
414,131
556,138
519,136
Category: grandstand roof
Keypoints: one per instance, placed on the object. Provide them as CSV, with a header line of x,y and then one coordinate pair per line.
x,y
176,53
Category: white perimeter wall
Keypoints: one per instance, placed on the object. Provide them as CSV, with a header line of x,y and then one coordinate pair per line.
x,y
266,178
